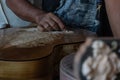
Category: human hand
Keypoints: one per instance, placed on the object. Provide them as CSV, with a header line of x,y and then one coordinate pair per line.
x,y
49,22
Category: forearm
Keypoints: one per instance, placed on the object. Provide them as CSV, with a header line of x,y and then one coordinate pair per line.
x,y
113,11
24,9
45,21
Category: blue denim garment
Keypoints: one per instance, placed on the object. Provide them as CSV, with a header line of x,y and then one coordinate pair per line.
x,y
99,1
78,13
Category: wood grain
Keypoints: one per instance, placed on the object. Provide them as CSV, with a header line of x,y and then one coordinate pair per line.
x,y
29,54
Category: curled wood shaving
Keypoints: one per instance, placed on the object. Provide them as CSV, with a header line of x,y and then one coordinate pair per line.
x,y
103,65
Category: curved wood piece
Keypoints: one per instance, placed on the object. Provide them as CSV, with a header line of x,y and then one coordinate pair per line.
x,y
25,44
29,54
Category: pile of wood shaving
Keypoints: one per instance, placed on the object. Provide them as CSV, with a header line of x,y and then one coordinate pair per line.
x,y
103,65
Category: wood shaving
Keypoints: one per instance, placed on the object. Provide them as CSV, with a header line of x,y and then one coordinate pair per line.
x,y
103,65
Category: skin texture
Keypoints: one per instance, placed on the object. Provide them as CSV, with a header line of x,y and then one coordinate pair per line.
x,y
113,11
26,11
48,21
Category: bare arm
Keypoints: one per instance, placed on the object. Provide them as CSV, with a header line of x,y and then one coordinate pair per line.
x,y
113,11
26,11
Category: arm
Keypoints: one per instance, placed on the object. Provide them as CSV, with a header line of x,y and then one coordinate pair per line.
x,y
113,11
26,11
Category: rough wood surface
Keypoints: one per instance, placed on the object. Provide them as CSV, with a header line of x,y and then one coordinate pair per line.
x,y
26,38
29,43
31,37
30,54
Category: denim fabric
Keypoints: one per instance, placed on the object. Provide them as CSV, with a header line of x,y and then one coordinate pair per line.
x,y
78,13
99,1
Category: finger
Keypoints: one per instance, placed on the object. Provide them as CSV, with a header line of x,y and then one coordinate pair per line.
x,y
53,24
40,28
58,21
46,26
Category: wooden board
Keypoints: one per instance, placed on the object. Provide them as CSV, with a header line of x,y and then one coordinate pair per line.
x,y
29,43
30,54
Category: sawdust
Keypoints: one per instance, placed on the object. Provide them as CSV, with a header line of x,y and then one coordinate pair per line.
x,y
27,37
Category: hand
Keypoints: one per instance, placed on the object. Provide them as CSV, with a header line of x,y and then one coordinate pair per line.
x,y
49,22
